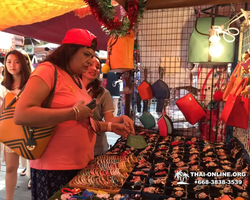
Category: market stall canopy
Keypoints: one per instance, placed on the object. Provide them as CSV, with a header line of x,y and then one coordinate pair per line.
x,y
16,12
160,4
53,30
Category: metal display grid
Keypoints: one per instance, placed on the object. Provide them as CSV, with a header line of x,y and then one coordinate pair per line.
x,y
163,39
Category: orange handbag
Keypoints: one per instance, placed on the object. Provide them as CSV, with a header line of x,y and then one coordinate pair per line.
x,y
236,110
28,142
234,80
120,54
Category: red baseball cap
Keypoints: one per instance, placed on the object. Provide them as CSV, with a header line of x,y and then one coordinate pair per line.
x,y
80,36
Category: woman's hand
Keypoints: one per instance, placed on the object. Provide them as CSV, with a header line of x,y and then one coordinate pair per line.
x,y
84,111
129,123
120,129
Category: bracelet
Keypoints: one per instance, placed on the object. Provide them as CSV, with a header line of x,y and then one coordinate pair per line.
x,y
109,129
77,112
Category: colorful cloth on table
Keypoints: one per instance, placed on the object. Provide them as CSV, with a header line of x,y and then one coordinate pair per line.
x,y
72,144
45,183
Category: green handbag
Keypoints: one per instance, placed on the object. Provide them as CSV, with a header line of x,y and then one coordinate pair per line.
x,y
147,120
198,50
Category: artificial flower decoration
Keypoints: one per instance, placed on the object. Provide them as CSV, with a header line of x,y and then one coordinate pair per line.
x,y
104,12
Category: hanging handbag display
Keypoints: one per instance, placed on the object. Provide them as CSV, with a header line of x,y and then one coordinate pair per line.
x,y
236,110
144,89
120,52
28,142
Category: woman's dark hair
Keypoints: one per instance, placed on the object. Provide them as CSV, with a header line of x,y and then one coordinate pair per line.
x,y
96,87
62,55
25,71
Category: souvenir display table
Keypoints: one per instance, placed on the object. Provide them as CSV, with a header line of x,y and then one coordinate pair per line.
x,y
170,168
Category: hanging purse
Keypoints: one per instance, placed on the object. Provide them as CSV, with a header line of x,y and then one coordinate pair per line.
x,y
190,108
144,89
236,110
160,88
165,124
28,142
147,120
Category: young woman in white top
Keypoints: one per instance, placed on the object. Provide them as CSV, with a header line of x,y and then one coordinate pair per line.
x,y
16,74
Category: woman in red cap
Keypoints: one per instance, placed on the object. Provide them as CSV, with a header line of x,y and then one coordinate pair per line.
x,y
72,144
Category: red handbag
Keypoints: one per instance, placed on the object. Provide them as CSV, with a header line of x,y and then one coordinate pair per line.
x,y
236,110
191,108
165,124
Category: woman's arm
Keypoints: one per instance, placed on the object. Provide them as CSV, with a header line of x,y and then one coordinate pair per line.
x,y
29,112
118,128
109,117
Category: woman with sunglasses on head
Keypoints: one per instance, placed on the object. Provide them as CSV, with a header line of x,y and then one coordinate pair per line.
x,y
71,146
16,74
104,108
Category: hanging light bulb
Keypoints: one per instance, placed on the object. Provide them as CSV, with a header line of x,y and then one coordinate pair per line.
x,y
216,49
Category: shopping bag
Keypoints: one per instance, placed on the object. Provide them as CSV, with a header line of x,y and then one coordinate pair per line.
x,y
236,110
190,108
28,142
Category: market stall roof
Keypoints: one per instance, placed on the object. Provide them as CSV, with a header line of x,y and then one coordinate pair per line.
x,y
160,4
53,30
16,12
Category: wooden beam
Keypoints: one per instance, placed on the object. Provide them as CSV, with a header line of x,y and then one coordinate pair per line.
x,y
160,4
121,2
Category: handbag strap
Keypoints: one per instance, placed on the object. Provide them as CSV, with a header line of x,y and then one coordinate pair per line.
x,y
110,48
49,97
15,98
236,71
219,86
244,80
204,84
47,104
